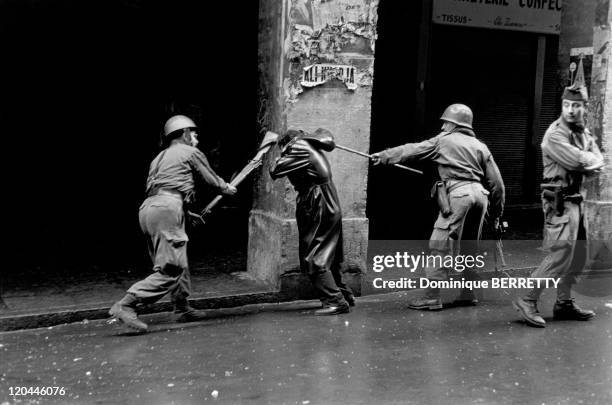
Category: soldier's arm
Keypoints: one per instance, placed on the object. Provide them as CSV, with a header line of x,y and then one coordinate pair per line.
x,y
206,173
411,151
294,158
558,147
495,184
595,150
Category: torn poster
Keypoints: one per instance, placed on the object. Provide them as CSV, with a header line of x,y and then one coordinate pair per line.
x,y
317,74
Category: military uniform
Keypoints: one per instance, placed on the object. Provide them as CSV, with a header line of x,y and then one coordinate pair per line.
x,y
170,184
565,154
568,153
471,177
318,214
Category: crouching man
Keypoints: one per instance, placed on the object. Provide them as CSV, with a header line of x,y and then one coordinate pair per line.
x,y
318,214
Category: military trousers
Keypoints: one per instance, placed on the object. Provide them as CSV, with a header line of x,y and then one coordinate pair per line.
x,y
564,240
163,222
458,232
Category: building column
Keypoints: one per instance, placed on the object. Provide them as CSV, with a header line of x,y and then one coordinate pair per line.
x,y
586,37
316,62
598,205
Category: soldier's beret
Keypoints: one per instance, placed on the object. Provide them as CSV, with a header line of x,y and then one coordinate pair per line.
x,y
575,93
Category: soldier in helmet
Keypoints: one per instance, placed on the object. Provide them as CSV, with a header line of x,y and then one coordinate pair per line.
x,y
469,178
170,185
318,214
569,153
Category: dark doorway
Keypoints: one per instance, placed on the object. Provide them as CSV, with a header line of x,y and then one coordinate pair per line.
x,y
87,86
397,200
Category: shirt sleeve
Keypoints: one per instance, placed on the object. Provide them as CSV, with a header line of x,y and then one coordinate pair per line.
x,y
204,172
594,149
291,160
426,150
572,158
495,184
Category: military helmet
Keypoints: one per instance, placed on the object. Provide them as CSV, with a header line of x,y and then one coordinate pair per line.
x,y
459,114
178,122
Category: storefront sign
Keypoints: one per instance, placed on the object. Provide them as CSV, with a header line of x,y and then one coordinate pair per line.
x,y
542,16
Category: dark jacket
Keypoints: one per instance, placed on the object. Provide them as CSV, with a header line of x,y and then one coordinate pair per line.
x,y
318,213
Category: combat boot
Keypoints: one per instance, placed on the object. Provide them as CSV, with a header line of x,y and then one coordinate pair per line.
x,y
430,301
350,298
529,312
341,307
568,310
425,303
125,311
185,312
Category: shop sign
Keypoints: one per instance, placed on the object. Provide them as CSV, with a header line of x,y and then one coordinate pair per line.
x,y
541,16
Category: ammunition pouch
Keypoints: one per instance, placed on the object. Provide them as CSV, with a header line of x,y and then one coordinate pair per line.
x,y
440,192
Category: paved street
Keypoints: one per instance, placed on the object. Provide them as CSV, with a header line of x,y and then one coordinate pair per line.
x,y
281,354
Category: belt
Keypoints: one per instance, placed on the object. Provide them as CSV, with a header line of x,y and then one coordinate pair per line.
x,y
453,184
165,191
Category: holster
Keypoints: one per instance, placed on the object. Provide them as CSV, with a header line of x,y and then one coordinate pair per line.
x,y
554,193
440,191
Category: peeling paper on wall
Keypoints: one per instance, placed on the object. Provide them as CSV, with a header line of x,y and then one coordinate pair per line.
x,y
317,74
338,12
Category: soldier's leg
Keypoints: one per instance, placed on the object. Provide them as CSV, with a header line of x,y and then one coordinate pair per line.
x,y
182,291
444,241
578,260
169,262
160,219
560,234
565,308
470,240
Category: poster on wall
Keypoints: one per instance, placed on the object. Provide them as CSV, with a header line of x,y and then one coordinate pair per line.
x,y
540,16
581,64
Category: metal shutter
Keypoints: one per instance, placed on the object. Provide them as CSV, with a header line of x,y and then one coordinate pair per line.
x,y
493,72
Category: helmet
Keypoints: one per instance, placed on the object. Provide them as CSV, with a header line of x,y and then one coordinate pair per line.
x,y
178,122
459,114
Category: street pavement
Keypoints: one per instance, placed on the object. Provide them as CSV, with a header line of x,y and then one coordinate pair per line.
x,y
380,353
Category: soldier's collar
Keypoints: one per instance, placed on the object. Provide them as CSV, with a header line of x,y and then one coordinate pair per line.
x,y
465,131
571,127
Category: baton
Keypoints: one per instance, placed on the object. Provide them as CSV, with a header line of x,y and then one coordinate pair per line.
x,y
370,157
269,139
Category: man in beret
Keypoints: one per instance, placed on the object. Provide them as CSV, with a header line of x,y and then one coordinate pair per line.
x,y
569,153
